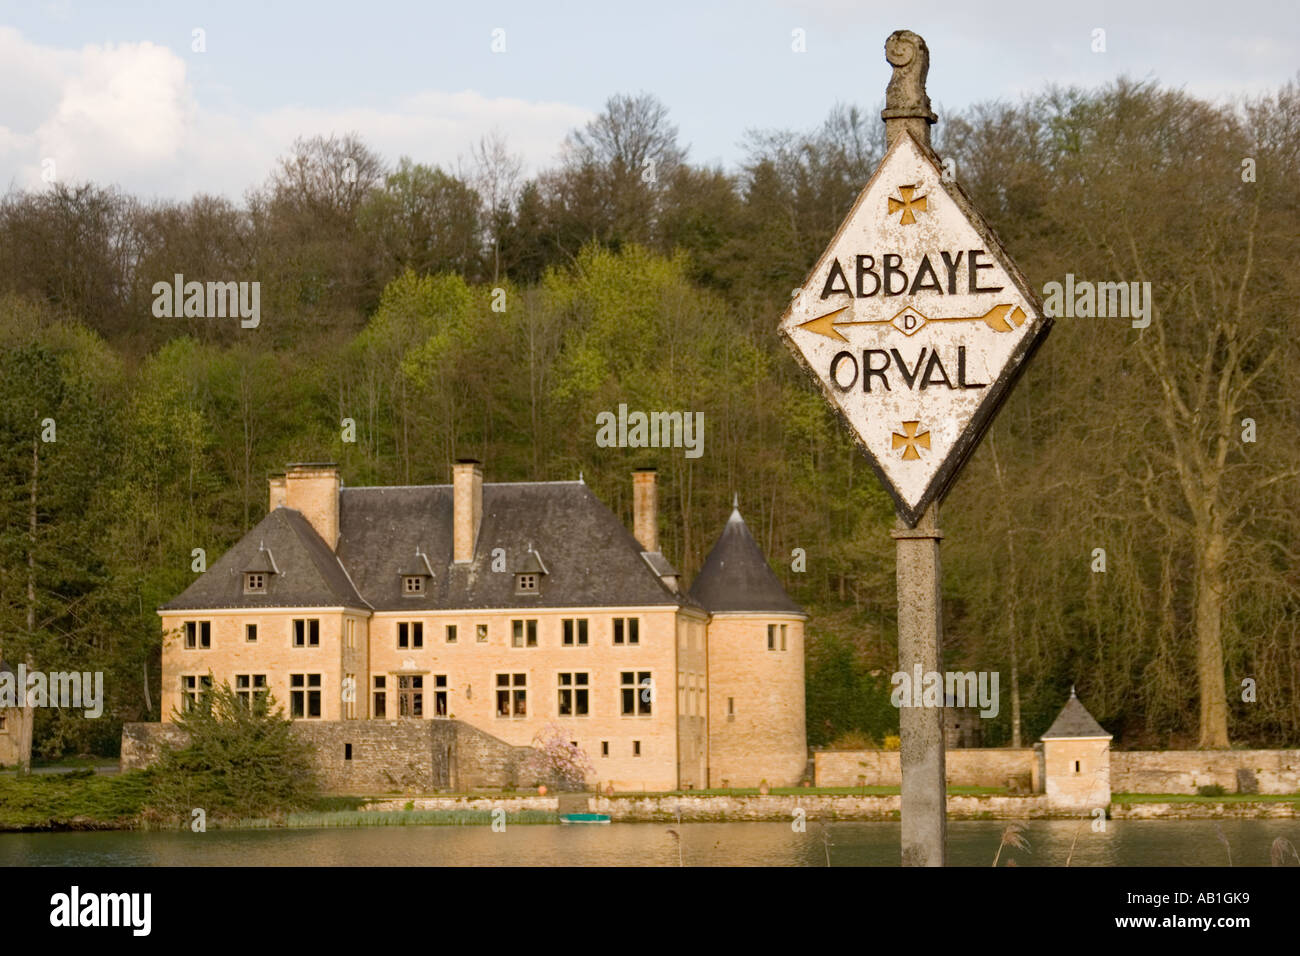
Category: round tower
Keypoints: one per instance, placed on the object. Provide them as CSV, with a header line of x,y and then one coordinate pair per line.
x,y
756,667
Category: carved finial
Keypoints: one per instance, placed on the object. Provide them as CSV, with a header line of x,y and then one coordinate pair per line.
x,y
905,98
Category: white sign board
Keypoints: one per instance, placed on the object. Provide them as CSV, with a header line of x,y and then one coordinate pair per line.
x,y
916,323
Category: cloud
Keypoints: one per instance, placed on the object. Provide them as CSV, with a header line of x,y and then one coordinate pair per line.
x,y
127,114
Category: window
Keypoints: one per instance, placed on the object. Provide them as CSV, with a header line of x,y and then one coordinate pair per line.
x,y
349,696
512,695
250,688
731,707
627,630
350,630
636,748
347,751
3,727
380,708
194,689
604,748
410,634
304,695
254,582
198,634
306,632
638,693
573,695
451,633
250,633
783,636
1076,766
480,633
410,695
440,695
771,637
525,583
575,632
412,584
523,633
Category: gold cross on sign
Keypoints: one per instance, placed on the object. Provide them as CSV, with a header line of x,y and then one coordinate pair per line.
x,y
909,440
907,204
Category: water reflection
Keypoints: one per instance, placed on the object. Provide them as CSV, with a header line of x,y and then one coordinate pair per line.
x,y
970,843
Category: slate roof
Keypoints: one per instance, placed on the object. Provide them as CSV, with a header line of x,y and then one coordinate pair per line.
x,y
591,559
308,573
1074,721
736,576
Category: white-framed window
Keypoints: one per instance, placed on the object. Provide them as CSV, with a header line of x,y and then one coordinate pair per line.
x,y
627,630
304,696
575,632
194,687
254,582
198,635
412,584
410,634
637,693
481,633
523,632
512,695
306,632
250,687
574,694
526,583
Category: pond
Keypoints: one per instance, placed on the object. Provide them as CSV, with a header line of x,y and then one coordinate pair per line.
x,y
970,843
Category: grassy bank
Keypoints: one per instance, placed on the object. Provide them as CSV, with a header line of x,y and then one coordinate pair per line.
x,y
80,800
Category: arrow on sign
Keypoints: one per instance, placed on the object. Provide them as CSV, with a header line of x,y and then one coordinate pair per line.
x,y
1000,318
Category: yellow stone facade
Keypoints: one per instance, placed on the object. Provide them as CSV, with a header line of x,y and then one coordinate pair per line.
x,y
708,700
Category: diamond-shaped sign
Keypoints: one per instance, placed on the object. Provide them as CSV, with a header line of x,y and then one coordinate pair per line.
x,y
916,324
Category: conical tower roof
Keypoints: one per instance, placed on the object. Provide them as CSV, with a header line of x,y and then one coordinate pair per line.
x,y
736,577
1074,721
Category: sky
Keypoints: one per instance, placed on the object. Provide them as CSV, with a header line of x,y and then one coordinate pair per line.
x,y
130,94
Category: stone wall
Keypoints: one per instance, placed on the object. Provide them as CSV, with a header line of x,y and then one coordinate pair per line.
x,y
375,756
1182,771
982,767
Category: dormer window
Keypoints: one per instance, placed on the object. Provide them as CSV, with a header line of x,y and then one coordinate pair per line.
x,y
258,571
528,576
526,583
255,582
414,574
412,584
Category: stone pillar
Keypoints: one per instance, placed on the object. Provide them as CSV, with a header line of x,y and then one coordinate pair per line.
x,y
467,495
907,106
645,508
920,639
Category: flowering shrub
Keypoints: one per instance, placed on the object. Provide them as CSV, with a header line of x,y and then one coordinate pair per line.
x,y
555,757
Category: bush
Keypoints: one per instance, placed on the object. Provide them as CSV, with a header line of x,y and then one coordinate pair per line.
x,y
853,740
1210,790
241,761
892,742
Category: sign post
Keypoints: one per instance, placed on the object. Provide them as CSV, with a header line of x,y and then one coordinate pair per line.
x,y
915,323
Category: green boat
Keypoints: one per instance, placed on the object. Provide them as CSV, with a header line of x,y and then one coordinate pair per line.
x,y
585,818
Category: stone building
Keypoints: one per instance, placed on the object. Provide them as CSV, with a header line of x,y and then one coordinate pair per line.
x,y
510,607
1075,759
15,745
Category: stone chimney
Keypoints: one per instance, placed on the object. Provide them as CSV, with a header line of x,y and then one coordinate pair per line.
x,y
313,489
645,508
275,483
467,505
